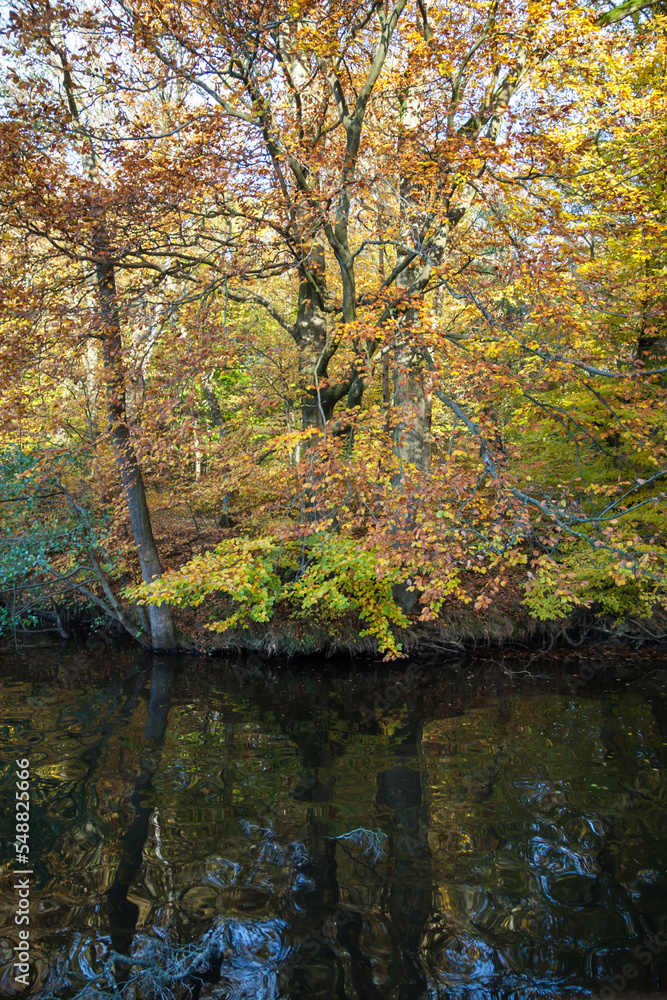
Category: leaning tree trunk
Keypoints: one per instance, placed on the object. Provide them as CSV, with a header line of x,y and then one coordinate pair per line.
x,y
162,629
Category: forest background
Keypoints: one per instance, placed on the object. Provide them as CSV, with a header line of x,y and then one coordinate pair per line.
x,y
333,323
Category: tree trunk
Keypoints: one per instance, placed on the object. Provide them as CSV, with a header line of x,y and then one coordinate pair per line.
x,y
162,629
311,335
413,406
412,437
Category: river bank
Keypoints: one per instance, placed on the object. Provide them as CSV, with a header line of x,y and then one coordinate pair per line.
x,y
455,634
458,632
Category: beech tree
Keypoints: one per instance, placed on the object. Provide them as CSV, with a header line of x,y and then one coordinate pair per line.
x,y
435,230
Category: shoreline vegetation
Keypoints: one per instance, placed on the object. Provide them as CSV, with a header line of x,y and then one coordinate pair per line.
x,y
457,634
334,329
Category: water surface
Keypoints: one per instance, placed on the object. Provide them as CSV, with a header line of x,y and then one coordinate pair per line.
x,y
451,830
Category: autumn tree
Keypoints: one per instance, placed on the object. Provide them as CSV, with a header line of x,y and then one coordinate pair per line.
x,y
249,211
91,221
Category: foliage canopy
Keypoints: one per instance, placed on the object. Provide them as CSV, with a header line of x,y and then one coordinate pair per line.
x,y
307,311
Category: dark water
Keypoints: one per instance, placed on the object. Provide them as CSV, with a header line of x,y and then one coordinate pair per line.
x,y
452,830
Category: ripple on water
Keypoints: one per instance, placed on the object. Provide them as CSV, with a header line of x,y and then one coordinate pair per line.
x,y
493,848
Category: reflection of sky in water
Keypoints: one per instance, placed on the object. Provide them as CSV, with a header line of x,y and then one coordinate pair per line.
x,y
462,846
251,954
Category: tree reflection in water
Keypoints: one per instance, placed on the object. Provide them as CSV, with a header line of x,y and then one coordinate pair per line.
x,y
255,839
123,913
